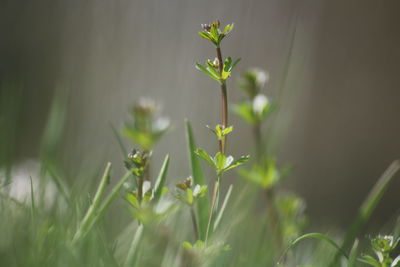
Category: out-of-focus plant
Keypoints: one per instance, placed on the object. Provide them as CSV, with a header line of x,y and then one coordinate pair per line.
x,y
147,126
383,247
284,212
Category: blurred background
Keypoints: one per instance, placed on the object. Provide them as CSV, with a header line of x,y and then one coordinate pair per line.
x,y
333,67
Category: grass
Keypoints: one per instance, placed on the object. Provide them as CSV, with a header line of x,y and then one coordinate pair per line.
x,y
186,224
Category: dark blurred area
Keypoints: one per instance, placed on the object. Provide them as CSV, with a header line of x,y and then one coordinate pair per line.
x,y
333,67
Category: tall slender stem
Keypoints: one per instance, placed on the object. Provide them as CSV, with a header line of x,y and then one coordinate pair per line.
x,y
224,102
213,203
194,222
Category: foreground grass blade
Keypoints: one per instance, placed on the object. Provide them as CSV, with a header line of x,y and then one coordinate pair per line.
x,y
370,204
119,140
132,253
221,211
316,236
353,254
98,213
161,179
203,204
91,213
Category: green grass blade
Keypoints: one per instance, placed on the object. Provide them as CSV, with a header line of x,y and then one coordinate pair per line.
x,y
120,141
91,212
110,198
316,236
162,176
221,211
33,206
132,253
353,254
370,203
203,204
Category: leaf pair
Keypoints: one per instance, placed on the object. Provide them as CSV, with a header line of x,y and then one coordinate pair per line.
x,y
192,194
211,69
214,34
220,162
221,132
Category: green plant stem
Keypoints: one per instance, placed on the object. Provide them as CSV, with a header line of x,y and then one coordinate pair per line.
x,y
273,216
259,145
140,187
272,211
213,204
194,222
224,102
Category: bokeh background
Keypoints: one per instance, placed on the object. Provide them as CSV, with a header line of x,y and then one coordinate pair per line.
x,y
333,67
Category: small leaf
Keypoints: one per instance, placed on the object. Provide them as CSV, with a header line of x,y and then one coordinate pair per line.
x,y
228,29
227,130
204,155
199,244
370,260
207,72
189,195
235,63
227,64
218,132
237,162
158,187
220,160
131,198
187,245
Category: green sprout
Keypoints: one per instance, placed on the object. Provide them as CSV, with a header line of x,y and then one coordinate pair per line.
x,y
213,33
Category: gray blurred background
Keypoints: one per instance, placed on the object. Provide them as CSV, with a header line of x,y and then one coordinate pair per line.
x,y
333,65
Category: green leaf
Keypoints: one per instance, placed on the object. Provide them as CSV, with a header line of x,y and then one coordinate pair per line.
x,y
235,63
187,245
227,130
369,260
219,160
189,195
237,162
119,140
205,35
206,71
316,236
159,185
245,110
221,211
214,32
227,64
228,29
204,155
203,204
131,198
212,69
218,132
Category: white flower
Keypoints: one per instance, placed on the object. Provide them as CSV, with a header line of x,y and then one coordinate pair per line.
x,y
259,103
